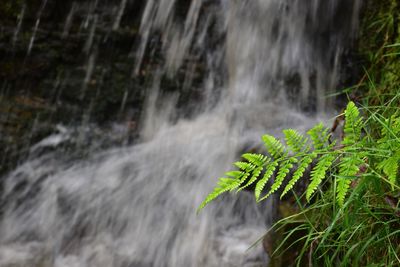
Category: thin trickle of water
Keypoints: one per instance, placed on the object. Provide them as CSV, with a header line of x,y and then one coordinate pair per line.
x,y
89,71
119,15
123,102
91,10
179,42
36,27
68,21
263,64
145,28
89,41
19,24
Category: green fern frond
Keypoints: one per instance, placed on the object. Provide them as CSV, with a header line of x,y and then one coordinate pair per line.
x,y
350,158
245,166
318,173
284,170
296,142
343,185
390,134
350,164
234,174
254,177
384,131
242,180
319,135
224,185
348,168
395,125
263,181
352,125
274,146
256,159
303,164
239,176
390,167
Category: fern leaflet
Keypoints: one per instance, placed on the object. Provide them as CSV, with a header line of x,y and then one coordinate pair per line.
x,y
348,168
352,126
254,177
303,164
318,173
296,142
255,159
319,136
245,166
284,169
274,146
224,185
390,167
267,175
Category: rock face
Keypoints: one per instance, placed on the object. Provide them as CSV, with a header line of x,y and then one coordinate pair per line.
x,y
72,63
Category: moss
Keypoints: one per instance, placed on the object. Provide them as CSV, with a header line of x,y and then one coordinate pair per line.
x,y
379,44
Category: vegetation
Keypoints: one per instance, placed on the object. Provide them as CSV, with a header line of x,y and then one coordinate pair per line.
x,y
349,214
358,230
365,163
365,229
356,157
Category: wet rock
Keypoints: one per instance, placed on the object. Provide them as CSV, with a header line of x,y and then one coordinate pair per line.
x,y
284,256
63,62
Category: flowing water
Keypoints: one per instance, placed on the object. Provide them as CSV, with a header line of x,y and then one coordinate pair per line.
x,y
268,64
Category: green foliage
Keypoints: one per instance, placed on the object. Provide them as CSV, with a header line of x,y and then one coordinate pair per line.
x,y
343,162
352,157
274,147
379,45
301,168
270,169
318,173
319,135
390,142
365,232
353,125
284,169
354,218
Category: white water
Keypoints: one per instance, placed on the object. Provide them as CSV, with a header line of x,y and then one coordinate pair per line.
x,y
135,206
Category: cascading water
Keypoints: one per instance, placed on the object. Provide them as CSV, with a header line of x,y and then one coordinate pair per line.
x,y
136,205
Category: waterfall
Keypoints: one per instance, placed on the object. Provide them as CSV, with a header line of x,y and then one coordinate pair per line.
x,y
266,65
